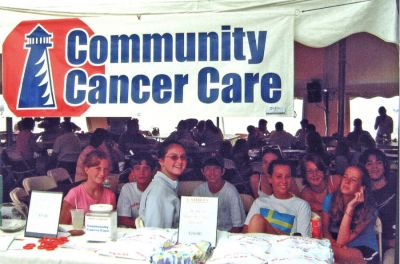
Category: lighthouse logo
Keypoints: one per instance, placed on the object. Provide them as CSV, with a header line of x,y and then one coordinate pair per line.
x,y
35,66
36,89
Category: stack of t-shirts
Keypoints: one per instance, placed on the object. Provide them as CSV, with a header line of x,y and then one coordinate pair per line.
x,y
271,249
139,244
180,253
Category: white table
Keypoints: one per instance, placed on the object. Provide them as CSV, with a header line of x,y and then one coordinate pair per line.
x,y
79,251
16,255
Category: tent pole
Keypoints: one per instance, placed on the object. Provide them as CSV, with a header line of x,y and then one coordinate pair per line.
x,y
326,109
341,86
9,129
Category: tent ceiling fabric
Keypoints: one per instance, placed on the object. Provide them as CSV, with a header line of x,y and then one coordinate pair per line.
x,y
319,23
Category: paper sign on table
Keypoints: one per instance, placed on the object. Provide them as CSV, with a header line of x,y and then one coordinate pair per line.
x,y
44,214
198,219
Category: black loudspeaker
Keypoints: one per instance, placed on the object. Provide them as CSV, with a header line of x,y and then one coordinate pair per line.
x,y
314,92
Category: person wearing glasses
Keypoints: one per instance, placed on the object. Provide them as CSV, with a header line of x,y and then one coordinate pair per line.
x,y
317,183
143,169
160,205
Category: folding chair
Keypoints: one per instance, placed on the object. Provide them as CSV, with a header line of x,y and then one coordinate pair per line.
x,y
19,195
59,175
40,183
16,165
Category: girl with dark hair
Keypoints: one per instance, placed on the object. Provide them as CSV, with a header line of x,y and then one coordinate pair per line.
x,y
91,191
159,204
317,183
348,219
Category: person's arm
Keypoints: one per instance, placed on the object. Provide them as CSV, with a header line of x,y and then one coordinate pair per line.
x,y
124,209
65,217
325,220
377,121
303,219
159,211
236,211
35,146
126,221
235,230
306,195
254,209
258,224
110,198
254,179
345,234
56,146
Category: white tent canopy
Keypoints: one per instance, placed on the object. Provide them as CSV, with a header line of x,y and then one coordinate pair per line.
x,y
318,23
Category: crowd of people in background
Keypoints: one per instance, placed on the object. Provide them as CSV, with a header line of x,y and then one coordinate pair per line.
x,y
347,188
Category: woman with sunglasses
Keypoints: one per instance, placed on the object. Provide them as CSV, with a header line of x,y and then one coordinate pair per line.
x,y
160,205
348,219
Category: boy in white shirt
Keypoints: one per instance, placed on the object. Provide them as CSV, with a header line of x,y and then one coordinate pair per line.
x,y
231,213
143,170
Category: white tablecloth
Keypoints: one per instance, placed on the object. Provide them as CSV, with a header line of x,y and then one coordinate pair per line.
x,y
136,246
88,253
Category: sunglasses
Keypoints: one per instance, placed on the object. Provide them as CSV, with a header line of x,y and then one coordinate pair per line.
x,y
176,157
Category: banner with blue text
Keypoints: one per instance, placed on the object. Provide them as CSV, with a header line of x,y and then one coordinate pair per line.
x,y
220,64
